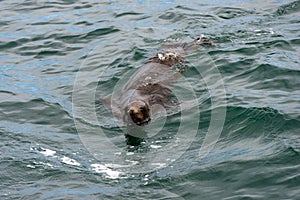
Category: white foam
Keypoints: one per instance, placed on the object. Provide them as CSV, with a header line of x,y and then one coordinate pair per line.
x,y
70,161
155,146
47,164
30,166
39,164
103,169
160,165
47,152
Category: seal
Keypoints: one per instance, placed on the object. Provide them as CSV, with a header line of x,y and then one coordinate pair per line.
x,y
151,84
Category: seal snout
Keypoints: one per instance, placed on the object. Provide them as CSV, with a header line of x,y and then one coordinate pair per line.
x,y
139,113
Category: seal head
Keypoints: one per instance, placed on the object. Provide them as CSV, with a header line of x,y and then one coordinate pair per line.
x,y
139,112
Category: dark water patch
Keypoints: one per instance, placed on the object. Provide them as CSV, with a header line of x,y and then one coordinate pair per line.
x,y
55,70
287,9
139,54
198,17
30,188
127,14
106,87
99,32
46,44
172,16
21,42
36,111
230,13
68,38
271,76
7,92
83,38
234,67
83,6
290,139
295,41
71,2
280,44
249,131
9,45
185,8
228,171
47,23
251,48
141,18
86,23
247,51
3,23
42,54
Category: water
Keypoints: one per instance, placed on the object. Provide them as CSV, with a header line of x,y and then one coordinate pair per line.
x,y
54,53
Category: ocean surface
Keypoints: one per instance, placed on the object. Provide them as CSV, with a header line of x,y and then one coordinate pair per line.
x,y
235,135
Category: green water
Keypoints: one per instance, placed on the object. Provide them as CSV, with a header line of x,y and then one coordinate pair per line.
x,y
59,57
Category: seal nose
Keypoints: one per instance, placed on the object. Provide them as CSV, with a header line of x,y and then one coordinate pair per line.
x,y
132,111
135,114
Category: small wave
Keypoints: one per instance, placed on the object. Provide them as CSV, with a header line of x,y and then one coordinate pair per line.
x,y
287,9
127,14
230,13
36,111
